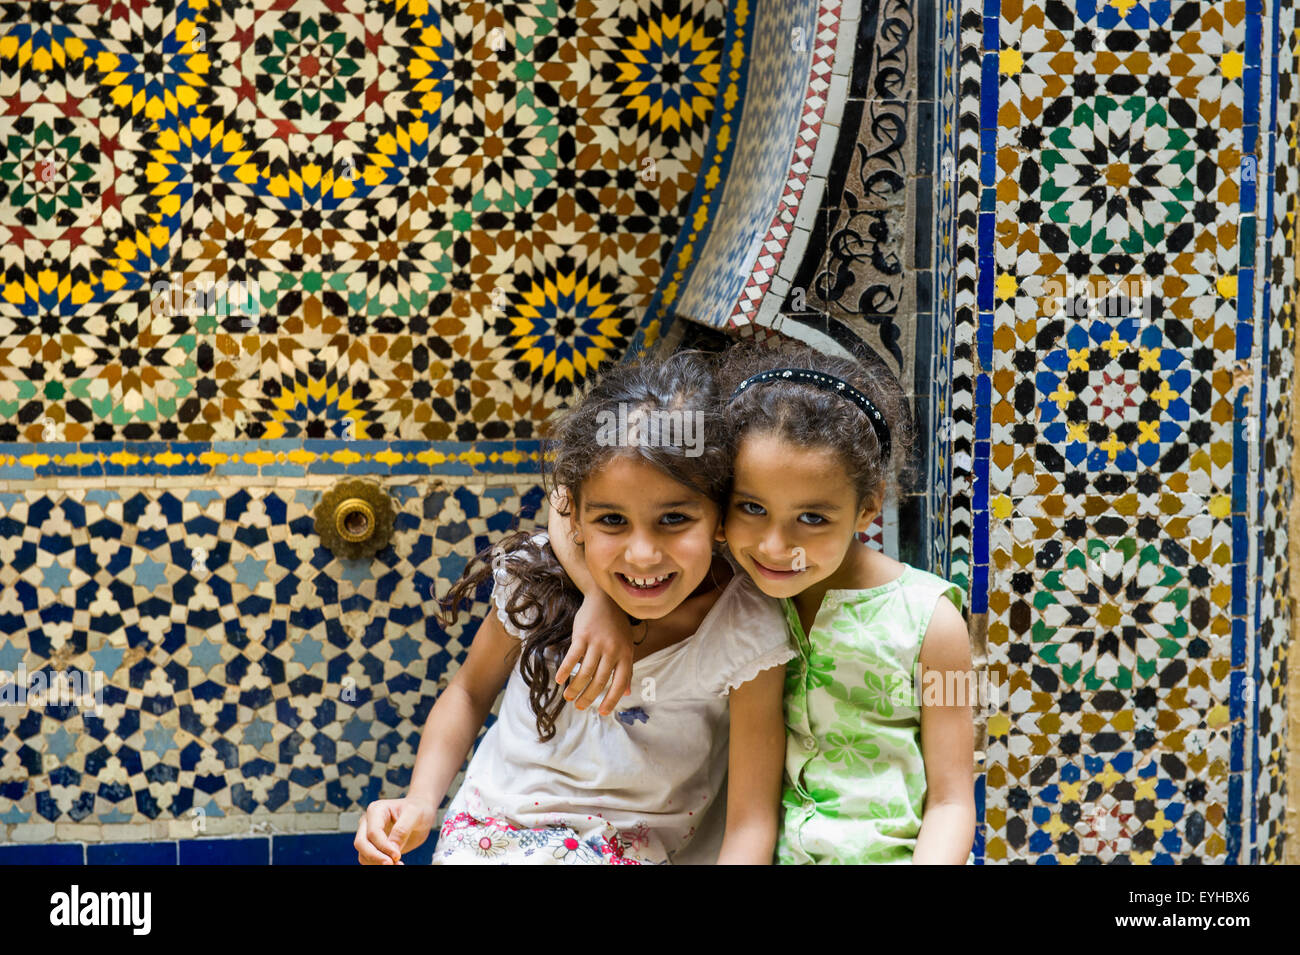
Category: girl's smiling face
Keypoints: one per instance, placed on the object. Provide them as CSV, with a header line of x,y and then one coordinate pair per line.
x,y
792,515
648,540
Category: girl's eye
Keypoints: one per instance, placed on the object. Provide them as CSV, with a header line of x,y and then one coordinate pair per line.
x,y
813,519
674,518
610,520
749,507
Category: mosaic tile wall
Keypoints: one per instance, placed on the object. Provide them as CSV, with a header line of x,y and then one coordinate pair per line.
x,y
1272,838
440,218
248,675
1129,452
786,39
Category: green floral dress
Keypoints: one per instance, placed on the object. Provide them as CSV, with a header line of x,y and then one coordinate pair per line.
x,y
855,779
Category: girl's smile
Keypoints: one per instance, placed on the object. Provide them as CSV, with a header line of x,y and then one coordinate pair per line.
x,y
775,574
646,588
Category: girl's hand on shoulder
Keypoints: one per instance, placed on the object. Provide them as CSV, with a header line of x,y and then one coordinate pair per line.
x,y
601,651
390,827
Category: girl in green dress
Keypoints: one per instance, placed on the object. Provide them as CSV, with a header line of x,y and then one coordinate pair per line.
x,y
879,761
879,729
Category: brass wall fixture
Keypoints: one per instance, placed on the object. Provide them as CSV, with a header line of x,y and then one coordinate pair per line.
x,y
355,519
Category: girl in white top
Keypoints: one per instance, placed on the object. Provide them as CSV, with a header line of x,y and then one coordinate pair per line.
x,y
552,783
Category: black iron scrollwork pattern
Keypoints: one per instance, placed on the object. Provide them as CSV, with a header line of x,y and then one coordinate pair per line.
x,y
868,245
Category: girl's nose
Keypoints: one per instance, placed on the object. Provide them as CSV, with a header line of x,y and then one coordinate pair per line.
x,y
772,546
642,550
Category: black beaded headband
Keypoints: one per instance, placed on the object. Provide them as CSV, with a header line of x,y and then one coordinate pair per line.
x,y
827,383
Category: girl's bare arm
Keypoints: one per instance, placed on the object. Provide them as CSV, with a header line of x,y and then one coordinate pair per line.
x,y
754,770
460,710
390,827
947,742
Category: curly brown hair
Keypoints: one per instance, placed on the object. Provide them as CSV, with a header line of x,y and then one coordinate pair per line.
x,y
576,447
810,417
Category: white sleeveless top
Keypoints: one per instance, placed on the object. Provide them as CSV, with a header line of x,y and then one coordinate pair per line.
x,y
648,773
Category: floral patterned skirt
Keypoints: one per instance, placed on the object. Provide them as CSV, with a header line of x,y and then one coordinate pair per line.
x,y
466,840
